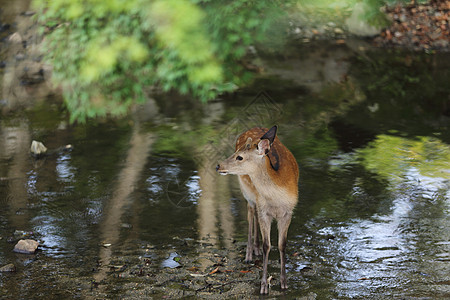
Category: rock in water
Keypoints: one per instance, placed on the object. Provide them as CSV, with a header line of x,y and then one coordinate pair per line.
x,y
37,148
26,246
358,25
8,268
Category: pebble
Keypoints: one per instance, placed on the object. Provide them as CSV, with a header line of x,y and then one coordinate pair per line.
x,y
28,13
15,38
417,27
310,296
37,148
8,268
20,56
338,31
26,246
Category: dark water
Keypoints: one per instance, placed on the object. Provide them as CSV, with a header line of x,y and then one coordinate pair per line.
x,y
369,129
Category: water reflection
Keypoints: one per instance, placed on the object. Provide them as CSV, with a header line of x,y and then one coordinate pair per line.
x,y
373,215
140,146
315,70
214,207
392,156
16,141
386,252
65,170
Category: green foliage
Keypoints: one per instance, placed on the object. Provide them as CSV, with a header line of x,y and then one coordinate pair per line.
x,y
183,142
107,54
236,24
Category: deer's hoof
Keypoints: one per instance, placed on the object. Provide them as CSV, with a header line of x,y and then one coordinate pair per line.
x,y
283,282
264,288
248,258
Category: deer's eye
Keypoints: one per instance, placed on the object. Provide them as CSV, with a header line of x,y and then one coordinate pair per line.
x,y
239,157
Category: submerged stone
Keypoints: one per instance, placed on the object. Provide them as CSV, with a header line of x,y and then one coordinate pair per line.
x,y
26,246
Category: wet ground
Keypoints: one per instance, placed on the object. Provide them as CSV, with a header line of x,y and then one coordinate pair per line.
x,y
136,210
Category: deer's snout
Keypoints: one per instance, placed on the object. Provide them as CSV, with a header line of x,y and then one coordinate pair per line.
x,y
221,171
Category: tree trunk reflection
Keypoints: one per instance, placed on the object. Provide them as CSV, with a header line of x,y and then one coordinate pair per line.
x,y
140,144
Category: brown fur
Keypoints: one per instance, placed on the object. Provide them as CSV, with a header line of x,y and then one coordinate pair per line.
x,y
268,177
287,174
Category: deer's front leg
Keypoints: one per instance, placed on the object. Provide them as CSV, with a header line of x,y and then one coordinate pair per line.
x,y
264,223
256,233
250,219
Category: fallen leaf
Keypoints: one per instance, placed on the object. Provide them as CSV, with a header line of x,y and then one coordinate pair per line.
x,y
246,271
214,271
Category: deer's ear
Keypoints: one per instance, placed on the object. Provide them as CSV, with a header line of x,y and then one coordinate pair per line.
x,y
263,147
270,134
248,143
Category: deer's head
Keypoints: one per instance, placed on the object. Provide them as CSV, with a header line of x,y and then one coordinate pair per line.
x,y
249,157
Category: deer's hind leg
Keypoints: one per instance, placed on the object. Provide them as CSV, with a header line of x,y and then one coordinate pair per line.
x,y
283,226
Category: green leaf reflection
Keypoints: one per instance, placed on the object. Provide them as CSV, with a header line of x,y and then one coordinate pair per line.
x,y
392,156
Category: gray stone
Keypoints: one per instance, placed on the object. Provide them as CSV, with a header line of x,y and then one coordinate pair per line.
x,y
356,23
28,13
26,246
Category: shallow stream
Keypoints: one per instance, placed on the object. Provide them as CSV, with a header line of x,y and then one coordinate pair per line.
x,y
135,208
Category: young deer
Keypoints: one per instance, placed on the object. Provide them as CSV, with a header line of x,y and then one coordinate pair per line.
x,y
268,177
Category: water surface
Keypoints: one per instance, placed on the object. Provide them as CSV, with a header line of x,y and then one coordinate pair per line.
x,y
138,199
